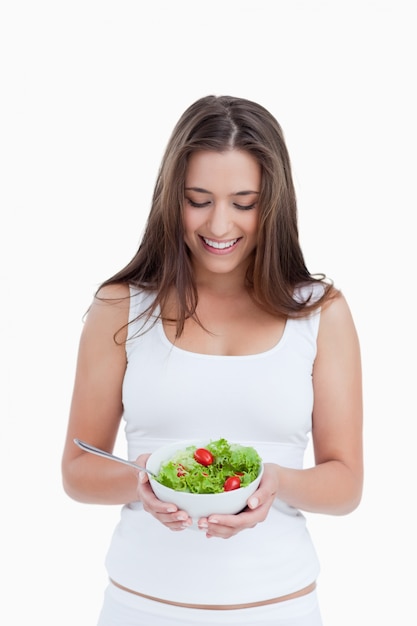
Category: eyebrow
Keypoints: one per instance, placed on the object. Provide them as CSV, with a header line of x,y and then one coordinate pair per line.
x,y
238,193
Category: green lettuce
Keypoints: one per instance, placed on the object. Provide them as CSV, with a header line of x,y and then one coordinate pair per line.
x,y
183,473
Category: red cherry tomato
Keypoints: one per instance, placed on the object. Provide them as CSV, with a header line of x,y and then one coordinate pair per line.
x,y
203,456
233,482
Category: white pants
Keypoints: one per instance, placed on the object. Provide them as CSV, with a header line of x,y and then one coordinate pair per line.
x,y
121,608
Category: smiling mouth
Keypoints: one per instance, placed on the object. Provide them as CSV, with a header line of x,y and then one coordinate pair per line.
x,y
220,245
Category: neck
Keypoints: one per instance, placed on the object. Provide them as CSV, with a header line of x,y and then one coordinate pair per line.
x,y
229,284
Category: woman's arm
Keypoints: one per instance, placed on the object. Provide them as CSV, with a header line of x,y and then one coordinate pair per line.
x,y
96,406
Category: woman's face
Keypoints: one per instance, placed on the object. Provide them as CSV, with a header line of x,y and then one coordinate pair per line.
x,y
221,210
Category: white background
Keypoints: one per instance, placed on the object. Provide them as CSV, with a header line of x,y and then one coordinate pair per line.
x,y
90,91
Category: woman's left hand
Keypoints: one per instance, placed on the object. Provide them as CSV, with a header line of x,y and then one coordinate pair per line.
x,y
258,505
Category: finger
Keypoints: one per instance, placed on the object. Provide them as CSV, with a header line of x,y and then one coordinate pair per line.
x,y
253,502
175,521
143,477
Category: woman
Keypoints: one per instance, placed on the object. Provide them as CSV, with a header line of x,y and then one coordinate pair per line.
x,y
217,329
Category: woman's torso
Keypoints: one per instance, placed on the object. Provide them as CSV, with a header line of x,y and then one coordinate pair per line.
x,y
262,399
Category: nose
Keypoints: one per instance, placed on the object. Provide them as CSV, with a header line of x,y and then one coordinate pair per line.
x,y
219,220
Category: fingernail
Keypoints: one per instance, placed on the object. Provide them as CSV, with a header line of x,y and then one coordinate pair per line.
x,y
253,503
171,509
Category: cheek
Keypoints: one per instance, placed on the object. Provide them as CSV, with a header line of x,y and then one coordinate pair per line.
x,y
189,221
190,227
252,225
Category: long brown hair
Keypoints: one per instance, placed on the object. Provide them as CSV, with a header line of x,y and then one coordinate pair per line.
x,y
162,261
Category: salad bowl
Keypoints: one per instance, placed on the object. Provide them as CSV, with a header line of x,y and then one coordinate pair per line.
x,y
198,505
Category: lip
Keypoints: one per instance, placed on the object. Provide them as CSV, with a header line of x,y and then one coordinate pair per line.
x,y
219,251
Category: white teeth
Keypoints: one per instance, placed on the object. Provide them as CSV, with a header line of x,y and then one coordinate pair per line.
x,y
220,245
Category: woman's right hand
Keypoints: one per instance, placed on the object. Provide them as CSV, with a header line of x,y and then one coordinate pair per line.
x,y
165,512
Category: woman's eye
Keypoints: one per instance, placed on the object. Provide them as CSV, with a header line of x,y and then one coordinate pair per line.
x,y
202,205
197,205
245,207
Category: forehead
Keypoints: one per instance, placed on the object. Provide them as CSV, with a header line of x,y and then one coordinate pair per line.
x,y
234,169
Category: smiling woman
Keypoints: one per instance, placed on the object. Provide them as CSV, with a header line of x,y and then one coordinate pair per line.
x,y
215,330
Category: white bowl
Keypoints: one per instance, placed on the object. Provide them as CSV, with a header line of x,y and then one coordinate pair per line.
x,y
198,504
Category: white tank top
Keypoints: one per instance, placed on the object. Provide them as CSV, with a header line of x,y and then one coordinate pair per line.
x,y
264,400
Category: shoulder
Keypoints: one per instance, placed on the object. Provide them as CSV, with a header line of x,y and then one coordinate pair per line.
x,y
336,309
109,312
337,327
113,292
